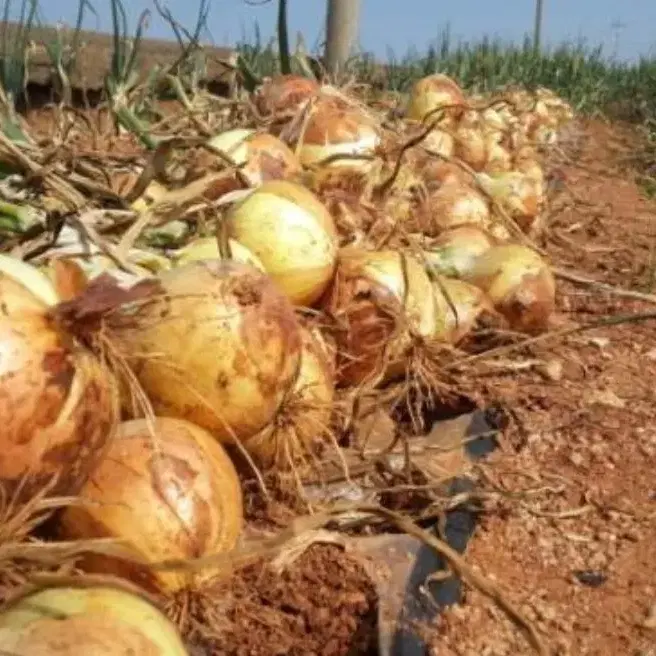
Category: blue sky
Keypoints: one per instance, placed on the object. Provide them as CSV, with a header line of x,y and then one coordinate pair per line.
x,y
625,28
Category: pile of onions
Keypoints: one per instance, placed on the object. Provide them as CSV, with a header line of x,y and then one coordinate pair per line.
x,y
519,283
260,157
94,620
167,490
58,403
432,94
292,233
455,250
215,343
381,301
336,134
302,424
207,248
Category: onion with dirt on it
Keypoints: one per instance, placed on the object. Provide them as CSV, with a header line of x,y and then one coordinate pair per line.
x,y
96,619
519,283
167,490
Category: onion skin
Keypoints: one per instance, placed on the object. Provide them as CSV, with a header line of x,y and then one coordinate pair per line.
x,y
455,204
284,94
292,233
334,128
302,423
169,494
217,344
207,248
433,92
455,251
261,157
378,313
519,283
97,620
58,403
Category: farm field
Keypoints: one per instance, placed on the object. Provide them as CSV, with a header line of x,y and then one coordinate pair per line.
x,y
335,415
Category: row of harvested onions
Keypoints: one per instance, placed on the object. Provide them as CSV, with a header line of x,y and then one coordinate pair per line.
x,y
147,392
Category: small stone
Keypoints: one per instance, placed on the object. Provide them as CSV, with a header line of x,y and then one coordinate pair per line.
x,y
591,578
576,459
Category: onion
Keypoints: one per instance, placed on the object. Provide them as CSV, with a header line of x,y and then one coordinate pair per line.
x,y
284,94
499,159
207,248
470,141
302,423
59,404
98,620
453,204
519,283
440,142
215,343
454,251
260,156
432,93
168,491
517,193
292,233
336,134
381,300
459,304
526,161
154,192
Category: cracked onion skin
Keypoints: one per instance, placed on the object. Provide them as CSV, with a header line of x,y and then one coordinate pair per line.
x,y
170,493
86,620
215,343
58,404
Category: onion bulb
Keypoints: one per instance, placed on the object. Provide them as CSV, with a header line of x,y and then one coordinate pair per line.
x,y
292,233
440,143
381,300
215,343
284,94
519,283
166,490
433,93
517,193
207,248
58,403
154,192
453,204
301,425
471,144
89,620
260,157
455,250
459,305
499,159
336,134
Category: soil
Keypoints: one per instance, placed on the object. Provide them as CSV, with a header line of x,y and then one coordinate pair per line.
x,y
569,529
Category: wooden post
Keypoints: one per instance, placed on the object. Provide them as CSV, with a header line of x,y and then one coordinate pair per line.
x,y
537,27
342,24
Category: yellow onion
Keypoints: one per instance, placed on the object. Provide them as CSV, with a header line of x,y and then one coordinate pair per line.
x,y
260,156
526,161
440,171
292,233
459,304
302,424
166,490
520,195
440,142
453,204
455,250
154,192
471,145
59,404
207,248
283,94
519,283
381,300
215,343
433,93
86,620
494,122
499,160
335,133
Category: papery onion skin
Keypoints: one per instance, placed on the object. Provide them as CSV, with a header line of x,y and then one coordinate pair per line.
x,y
292,233
170,493
86,621
302,423
217,344
519,283
58,403
432,93
207,248
260,156
284,93
335,129
454,252
377,313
